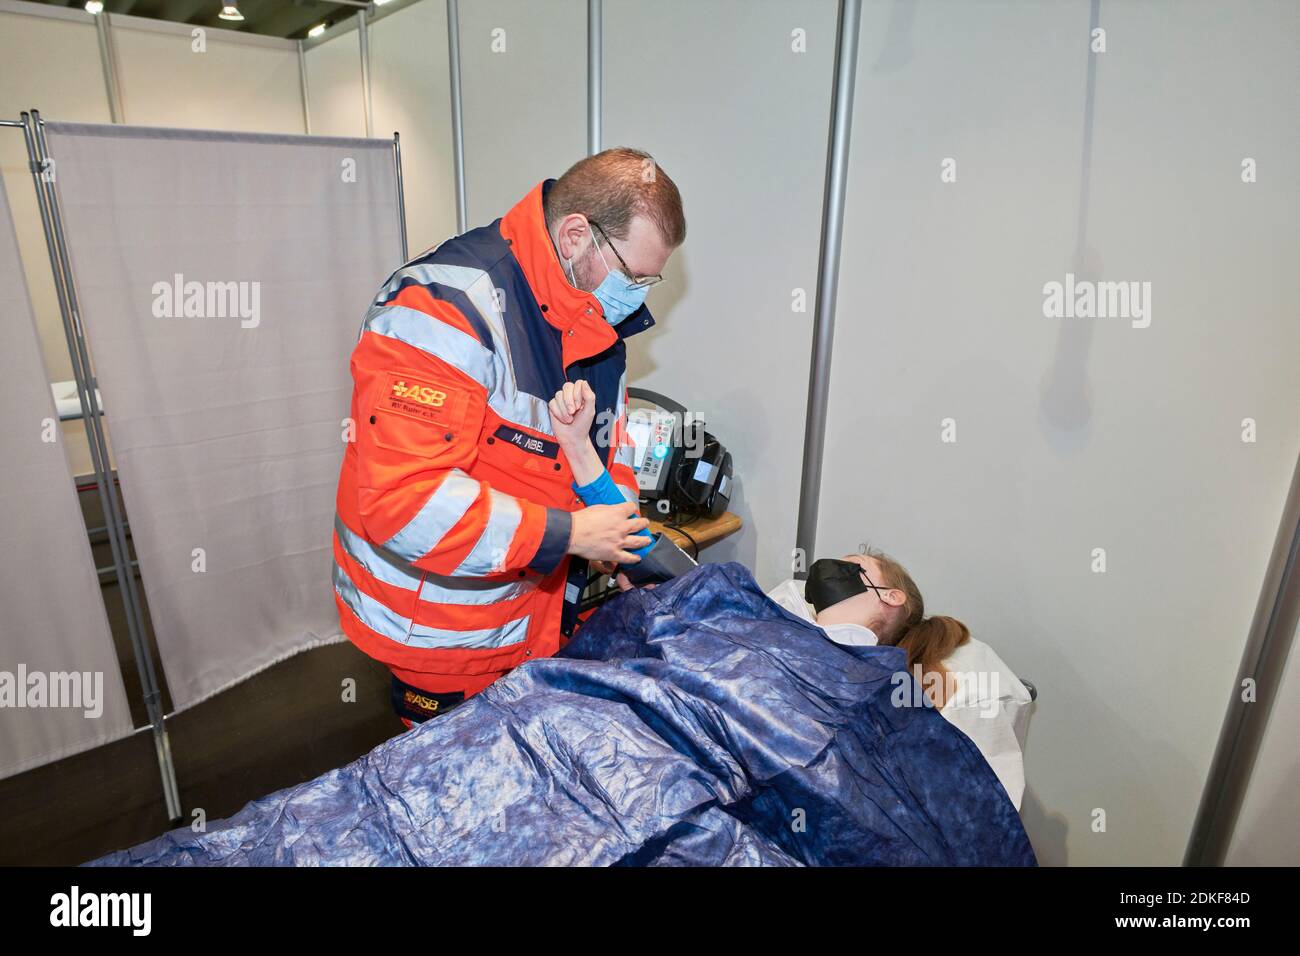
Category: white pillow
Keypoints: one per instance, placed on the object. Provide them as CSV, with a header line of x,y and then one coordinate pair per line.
x,y
991,707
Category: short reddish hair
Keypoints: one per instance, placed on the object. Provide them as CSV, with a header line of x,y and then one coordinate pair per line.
x,y
612,187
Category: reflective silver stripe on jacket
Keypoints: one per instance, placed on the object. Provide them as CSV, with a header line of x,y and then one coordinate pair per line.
x,y
436,588
505,398
434,336
620,406
388,623
512,632
439,513
489,552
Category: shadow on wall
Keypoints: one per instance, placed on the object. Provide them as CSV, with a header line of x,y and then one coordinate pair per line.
x,y
1047,830
743,545
1066,398
896,47
1066,404
1258,841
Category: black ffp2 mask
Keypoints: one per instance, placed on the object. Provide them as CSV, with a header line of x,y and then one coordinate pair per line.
x,y
831,581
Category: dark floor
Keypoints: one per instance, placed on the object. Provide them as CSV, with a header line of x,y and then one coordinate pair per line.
x,y
281,727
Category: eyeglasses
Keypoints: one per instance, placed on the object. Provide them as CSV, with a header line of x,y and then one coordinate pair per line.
x,y
642,281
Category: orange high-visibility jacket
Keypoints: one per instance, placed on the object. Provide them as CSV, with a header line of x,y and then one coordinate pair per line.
x,y
454,501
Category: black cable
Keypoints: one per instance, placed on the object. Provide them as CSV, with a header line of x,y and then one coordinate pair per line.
x,y
682,531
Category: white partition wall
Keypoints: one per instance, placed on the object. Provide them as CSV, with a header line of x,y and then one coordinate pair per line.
x,y
1096,497
408,62
61,688
222,280
524,71
739,120
334,97
173,74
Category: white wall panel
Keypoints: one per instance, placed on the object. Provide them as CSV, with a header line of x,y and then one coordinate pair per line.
x,y
524,92
408,65
229,81
1076,434
719,95
334,93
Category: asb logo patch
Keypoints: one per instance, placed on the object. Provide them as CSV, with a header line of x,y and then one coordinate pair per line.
x,y
424,394
421,399
420,705
421,702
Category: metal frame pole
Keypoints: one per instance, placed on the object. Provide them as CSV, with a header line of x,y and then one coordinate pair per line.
x,y
52,222
457,117
108,59
828,269
595,75
1272,632
401,193
363,33
302,82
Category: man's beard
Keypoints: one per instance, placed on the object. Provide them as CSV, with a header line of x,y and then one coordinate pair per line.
x,y
585,274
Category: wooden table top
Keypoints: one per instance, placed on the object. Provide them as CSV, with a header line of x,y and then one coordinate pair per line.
x,y
705,531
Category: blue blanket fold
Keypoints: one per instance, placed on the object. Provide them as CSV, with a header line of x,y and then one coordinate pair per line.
x,y
696,723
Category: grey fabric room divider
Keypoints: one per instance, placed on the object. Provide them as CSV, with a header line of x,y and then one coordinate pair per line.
x,y
61,688
223,278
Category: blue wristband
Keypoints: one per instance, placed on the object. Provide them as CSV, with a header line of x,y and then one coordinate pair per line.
x,y
603,491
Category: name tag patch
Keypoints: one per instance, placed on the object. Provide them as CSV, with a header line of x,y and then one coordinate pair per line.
x,y
529,443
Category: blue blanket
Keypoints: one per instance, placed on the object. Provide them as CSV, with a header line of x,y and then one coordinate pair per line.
x,y
697,723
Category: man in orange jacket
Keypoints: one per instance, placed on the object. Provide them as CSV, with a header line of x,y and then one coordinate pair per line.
x,y
460,548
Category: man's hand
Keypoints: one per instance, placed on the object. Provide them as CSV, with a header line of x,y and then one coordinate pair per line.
x,y
607,533
608,567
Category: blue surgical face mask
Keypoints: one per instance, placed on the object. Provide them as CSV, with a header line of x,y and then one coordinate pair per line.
x,y
618,295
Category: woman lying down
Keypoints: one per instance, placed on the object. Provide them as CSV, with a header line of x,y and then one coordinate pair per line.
x,y
867,599
860,600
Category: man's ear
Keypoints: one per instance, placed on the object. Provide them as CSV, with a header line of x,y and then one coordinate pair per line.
x,y
571,237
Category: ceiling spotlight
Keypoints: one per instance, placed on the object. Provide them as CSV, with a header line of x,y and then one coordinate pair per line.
x,y
380,3
94,6
317,30
230,12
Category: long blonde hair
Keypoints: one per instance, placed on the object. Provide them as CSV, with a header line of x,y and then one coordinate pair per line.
x,y
927,640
